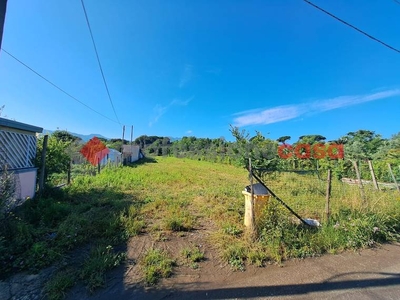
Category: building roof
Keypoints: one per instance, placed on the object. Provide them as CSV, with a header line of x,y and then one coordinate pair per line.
x,y
19,125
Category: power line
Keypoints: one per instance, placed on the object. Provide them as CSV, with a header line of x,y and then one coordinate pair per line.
x,y
98,60
397,1
56,86
355,28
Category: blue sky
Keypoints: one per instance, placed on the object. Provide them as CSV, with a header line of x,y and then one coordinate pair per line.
x,y
192,68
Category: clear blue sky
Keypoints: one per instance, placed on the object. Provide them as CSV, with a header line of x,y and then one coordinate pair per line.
x,y
192,68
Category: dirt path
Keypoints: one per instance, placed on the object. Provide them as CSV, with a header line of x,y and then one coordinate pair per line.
x,y
369,274
129,276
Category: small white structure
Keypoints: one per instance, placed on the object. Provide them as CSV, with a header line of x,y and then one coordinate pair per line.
x,y
113,157
17,152
131,153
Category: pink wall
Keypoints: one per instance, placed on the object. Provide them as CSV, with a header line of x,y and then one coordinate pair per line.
x,y
26,182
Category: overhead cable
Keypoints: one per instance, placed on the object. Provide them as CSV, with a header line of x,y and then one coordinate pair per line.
x,y
352,26
56,86
98,60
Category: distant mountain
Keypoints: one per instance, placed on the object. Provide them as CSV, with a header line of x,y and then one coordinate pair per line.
x,y
84,137
89,136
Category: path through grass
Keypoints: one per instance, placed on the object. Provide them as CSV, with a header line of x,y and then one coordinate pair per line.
x,y
99,214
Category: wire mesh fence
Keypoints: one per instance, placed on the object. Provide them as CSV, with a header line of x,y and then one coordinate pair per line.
x,y
79,166
306,192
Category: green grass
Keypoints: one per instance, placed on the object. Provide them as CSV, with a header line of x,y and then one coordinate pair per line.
x,y
193,255
57,287
131,221
179,221
156,264
235,254
171,196
101,259
232,229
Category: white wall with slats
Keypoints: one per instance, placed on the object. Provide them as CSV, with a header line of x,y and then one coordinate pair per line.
x,y
17,150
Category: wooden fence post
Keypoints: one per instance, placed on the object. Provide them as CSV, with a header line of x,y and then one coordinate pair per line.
x,y
328,195
360,185
69,173
98,165
371,169
393,177
43,163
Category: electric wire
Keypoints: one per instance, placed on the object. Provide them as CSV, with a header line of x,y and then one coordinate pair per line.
x,y
56,86
98,60
352,26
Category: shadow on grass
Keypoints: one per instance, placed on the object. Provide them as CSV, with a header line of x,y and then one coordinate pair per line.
x,y
64,226
143,161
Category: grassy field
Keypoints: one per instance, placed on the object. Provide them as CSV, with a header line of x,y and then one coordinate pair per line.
x,y
95,216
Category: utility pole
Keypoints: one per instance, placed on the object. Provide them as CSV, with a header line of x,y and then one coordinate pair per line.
x,y
122,147
131,134
3,8
42,176
123,135
130,157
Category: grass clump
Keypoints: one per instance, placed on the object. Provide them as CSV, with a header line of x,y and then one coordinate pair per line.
x,y
174,223
131,221
101,259
177,219
57,287
235,254
156,264
40,254
232,229
193,255
183,222
257,256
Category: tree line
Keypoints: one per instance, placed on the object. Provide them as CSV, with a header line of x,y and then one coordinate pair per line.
x,y
363,150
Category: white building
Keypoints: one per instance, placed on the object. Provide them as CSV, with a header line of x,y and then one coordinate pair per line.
x,y
17,153
113,157
131,153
